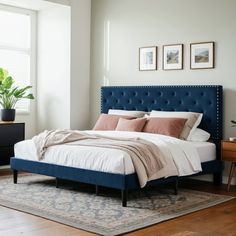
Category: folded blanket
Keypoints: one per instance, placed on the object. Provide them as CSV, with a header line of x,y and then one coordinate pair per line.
x,y
145,155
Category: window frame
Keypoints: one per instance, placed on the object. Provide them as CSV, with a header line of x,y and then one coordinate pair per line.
x,y
32,50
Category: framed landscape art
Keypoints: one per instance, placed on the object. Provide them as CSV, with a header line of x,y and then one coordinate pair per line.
x,y
173,57
148,58
202,55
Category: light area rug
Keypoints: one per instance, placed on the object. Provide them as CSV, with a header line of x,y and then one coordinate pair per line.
x,y
77,205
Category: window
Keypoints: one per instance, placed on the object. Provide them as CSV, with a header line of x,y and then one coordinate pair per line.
x,y
17,47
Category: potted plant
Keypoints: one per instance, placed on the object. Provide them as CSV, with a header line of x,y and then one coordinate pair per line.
x,y
233,123
10,95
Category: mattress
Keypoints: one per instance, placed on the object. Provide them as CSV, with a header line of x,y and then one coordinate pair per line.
x,y
206,151
106,160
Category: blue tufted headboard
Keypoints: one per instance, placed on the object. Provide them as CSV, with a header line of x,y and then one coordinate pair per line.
x,y
206,99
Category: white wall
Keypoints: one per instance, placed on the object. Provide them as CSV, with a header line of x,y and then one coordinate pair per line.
x,y
80,63
29,120
133,24
36,5
53,80
64,2
64,66
119,28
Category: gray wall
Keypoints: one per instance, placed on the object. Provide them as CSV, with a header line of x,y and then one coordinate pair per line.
x,y
120,27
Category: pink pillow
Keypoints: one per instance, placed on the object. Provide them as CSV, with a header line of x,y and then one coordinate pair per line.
x,y
166,126
131,125
108,122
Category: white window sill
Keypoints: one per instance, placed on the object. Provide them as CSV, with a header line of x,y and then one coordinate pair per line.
x,y
22,112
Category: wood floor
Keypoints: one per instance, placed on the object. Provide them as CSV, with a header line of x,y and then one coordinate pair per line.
x,y
213,221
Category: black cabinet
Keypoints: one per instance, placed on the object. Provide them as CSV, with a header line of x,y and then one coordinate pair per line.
x,y
10,133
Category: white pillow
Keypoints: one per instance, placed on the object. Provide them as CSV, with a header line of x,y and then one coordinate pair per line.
x,y
193,120
137,114
199,135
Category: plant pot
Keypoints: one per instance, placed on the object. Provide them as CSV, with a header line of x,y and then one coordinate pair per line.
x,y
8,114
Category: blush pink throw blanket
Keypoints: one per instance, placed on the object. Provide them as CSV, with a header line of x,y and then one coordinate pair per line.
x,y
145,155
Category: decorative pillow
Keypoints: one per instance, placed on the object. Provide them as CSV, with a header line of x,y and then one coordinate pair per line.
x,y
131,125
108,122
193,120
137,114
166,126
199,135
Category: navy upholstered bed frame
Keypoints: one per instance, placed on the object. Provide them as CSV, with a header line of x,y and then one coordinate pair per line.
x,y
205,99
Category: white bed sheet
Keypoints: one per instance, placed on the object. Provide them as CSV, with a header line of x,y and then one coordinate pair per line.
x,y
107,160
206,151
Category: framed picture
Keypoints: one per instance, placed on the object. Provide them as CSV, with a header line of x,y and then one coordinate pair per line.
x,y
173,57
202,55
148,58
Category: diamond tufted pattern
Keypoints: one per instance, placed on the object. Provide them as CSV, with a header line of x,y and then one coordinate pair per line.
x,y
205,99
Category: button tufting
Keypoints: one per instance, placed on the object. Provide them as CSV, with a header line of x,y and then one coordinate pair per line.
x,y
162,98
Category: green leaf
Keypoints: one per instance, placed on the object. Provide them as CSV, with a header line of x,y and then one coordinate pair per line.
x,y
12,91
19,93
29,96
3,74
9,94
7,82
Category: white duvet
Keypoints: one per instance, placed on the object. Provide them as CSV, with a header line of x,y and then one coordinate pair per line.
x,y
181,157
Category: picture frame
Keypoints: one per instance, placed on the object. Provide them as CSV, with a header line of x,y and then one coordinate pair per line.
x,y
172,57
202,55
148,58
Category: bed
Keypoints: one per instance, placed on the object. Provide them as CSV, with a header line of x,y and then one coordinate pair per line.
x,y
203,99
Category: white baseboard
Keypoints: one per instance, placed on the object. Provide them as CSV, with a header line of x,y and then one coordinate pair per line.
x,y
5,167
209,178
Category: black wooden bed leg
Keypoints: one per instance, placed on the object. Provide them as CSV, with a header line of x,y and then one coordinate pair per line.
x,y
96,190
217,178
176,186
57,183
124,197
15,174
